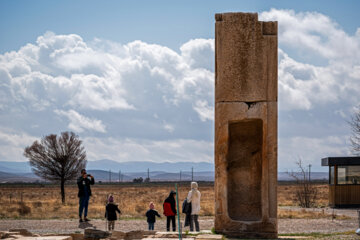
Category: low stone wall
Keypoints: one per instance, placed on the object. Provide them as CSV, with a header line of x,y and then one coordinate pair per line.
x,y
95,234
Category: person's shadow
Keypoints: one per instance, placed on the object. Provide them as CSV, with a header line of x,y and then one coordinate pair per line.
x,y
84,225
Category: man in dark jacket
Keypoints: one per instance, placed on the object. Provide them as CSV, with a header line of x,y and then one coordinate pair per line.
x,y
170,211
84,193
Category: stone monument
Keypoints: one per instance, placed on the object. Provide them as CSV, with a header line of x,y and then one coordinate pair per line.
x,y
245,126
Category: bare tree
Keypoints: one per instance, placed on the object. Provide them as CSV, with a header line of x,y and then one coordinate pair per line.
x,y
306,192
355,128
57,158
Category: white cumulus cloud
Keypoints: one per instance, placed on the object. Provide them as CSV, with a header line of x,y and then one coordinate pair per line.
x,y
13,143
148,101
309,36
79,123
130,149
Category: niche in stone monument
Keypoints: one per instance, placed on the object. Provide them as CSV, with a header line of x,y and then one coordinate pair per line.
x,y
244,170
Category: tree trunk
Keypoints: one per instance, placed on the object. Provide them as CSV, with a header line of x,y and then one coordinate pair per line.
x,y
63,191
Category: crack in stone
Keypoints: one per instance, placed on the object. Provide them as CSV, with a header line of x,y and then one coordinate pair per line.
x,y
250,104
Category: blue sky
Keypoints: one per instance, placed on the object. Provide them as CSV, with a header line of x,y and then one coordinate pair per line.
x,y
134,79
160,22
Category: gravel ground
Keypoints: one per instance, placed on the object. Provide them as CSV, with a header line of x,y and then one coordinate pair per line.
x,y
69,226
351,212
286,226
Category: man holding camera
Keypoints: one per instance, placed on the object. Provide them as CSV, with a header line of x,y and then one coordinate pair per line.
x,y
84,182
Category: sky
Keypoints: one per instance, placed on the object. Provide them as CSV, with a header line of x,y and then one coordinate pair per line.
x,y
135,79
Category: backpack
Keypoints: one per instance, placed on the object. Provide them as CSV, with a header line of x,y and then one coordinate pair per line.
x,y
167,209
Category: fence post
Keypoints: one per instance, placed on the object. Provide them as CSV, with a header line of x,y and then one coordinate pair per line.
x,y
178,211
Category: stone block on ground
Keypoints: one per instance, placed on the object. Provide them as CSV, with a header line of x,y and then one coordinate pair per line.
x,y
138,234
17,236
118,235
208,237
293,237
43,238
22,231
75,236
155,238
167,235
8,234
91,233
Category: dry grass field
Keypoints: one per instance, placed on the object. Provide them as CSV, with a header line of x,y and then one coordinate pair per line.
x,y
43,202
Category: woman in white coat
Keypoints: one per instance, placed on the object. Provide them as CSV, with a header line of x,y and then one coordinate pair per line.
x,y
194,198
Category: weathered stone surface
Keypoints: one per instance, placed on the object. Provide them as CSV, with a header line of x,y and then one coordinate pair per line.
x,y
246,126
148,238
208,237
8,234
74,236
23,232
118,235
134,235
167,235
139,234
246,58
91,233
20,237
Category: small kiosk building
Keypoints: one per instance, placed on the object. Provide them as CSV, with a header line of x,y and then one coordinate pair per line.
x,y
344,181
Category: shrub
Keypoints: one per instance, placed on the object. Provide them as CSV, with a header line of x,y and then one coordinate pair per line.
x,y
23,209
37,204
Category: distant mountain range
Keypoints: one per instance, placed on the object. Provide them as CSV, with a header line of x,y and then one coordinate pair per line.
x,y
166,171
128,167
144,166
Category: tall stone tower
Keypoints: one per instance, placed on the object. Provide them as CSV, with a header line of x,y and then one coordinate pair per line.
x,y
245,126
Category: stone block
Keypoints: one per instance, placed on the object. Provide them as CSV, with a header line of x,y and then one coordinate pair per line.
x,y
118,235
19,237
155,238
8,234
138,234
187,238
92,234
209,237
74,236
246,58
22,231
245,126
167,235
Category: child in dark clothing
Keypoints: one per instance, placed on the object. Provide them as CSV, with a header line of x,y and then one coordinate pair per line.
x,y
110,214
151,215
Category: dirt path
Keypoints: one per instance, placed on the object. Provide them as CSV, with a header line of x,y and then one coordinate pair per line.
x,y
70,226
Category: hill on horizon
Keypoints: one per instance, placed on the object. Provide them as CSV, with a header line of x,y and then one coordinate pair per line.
x,y
165,171
106,165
